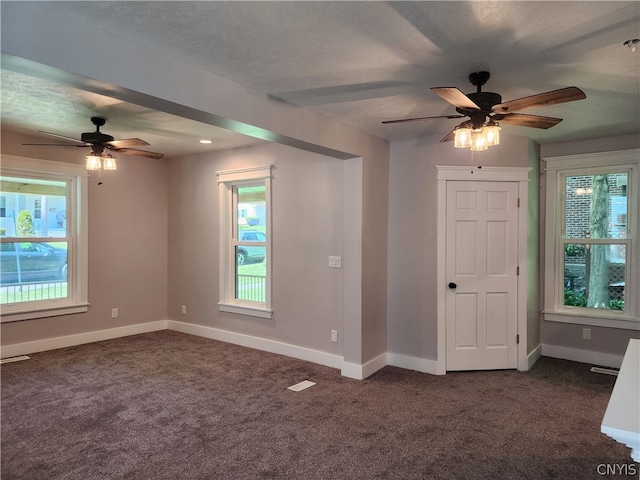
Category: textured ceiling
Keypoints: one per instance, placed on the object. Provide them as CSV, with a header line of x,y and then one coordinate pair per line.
x,y
361,63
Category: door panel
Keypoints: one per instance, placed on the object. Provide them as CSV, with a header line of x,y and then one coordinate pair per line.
x,y
481,259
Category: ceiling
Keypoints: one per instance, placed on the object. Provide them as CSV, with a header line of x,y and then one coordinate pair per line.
x,y
359,63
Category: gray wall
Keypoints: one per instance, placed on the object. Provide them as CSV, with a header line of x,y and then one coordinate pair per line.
x,y
307,227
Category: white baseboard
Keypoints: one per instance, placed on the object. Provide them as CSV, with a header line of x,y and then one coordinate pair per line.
x,y
413,363
360,372
534,356
583,356
347,369
258,343
80,338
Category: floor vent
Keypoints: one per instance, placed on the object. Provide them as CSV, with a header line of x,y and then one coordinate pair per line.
x,y
606,371
14,359
301,386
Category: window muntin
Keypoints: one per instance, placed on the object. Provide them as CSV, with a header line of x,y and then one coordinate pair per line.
x,y
591,269
245,267
43,265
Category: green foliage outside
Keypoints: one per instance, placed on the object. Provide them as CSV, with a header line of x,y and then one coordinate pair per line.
x,y
616,304
574,250
257,228
577,299
24,224
574,299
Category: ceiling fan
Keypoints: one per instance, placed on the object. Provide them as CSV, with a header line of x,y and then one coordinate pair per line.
x,y
479,106
99,141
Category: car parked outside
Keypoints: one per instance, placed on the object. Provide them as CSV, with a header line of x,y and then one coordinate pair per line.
x,y
31,262
246,253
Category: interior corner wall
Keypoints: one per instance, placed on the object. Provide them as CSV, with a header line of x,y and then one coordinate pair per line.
x,y
375,212
127,247
565,339
412,255
534,239
307,227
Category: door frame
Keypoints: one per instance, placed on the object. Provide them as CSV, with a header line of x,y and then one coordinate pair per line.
x,y
446,173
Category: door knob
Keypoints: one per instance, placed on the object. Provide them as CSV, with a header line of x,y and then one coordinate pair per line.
x,y
452,285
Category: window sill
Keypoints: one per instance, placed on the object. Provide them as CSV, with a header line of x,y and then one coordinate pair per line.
x,y
43,312
580,318
245,310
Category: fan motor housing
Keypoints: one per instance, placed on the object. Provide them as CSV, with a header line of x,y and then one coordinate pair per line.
x,y
485,100
96,137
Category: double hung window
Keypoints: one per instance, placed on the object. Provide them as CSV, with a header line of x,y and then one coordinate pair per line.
x,y
43,269
245,246
591,251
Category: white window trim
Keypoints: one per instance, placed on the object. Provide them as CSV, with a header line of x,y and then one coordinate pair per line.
x,y
226,181
77,178
554,308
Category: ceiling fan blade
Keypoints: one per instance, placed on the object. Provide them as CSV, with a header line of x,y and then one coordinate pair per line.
x,y
455,97
140,153
63,136
404,120
128,142
524,120
55,145
568,94
450,136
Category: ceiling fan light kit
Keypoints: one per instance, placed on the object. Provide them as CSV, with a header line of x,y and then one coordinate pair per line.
x,y
477,139
93,162
109,162
477,133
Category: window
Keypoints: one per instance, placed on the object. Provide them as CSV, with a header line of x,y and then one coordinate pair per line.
x,y
43,270
591,252
245,246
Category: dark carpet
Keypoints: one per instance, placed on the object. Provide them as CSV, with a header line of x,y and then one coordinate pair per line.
x,y
166,405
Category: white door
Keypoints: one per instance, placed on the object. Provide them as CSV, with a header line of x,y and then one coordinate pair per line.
x,y
481,275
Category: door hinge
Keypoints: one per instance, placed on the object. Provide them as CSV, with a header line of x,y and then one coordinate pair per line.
x,y
517,339
518,202
518,271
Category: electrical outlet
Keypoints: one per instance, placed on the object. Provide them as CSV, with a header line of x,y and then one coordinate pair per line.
x,y
184,309
114,313
586,334
334,335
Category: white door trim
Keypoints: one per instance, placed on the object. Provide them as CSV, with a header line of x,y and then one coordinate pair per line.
x,y
447,173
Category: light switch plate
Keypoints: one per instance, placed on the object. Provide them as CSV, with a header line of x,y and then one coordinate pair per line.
x,y
335,262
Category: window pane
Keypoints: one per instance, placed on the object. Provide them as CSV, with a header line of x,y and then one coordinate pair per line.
x,y
32,271
596,206
251,273
33,207
251,209
594,276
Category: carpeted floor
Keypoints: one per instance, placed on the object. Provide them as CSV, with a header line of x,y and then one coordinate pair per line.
x,y
166,405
